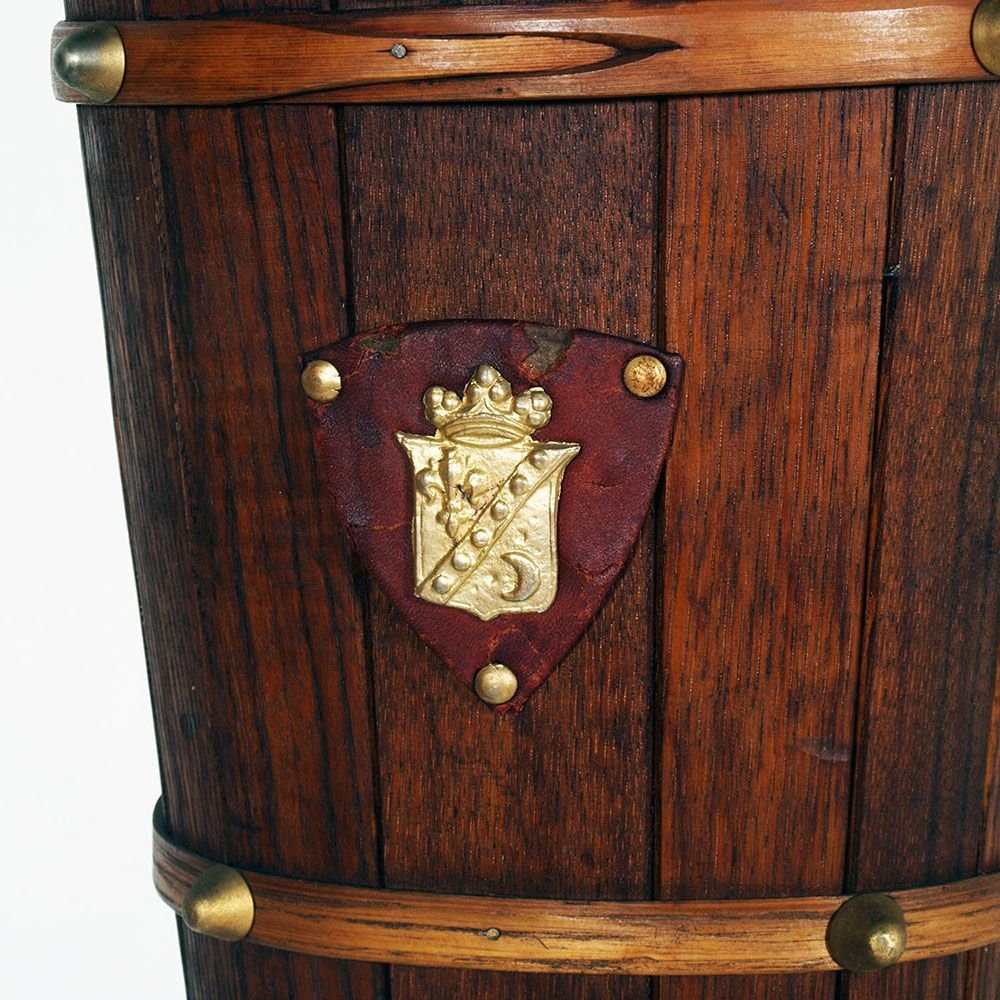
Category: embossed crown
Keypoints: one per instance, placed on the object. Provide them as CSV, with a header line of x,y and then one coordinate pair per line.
x,y
489,412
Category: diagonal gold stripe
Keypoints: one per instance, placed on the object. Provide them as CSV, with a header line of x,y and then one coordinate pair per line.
x,y
444,566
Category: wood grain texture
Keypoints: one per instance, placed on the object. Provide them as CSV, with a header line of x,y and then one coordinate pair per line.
x,y
983,966
252,622
515,211
208,8
124,194
932,620
773,237
258,280
572,51
721,937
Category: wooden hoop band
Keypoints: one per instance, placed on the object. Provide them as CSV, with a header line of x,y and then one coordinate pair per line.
x,y
566,51
753,936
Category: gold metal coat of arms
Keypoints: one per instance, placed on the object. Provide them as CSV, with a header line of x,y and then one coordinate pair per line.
x,y
486,499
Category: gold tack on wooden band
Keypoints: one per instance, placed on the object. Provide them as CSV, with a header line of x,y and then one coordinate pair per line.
x,y
867,933
986,35
564,51
91,61
219,905
753,936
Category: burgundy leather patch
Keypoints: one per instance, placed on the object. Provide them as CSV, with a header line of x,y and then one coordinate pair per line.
x,y
494,477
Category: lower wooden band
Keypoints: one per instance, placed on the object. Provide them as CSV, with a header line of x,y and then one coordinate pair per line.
x,y
750,936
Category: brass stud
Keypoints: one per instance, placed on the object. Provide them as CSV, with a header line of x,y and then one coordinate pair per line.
x,y
986,35
321,381
868,932
645,376
219,905
496,684
92,61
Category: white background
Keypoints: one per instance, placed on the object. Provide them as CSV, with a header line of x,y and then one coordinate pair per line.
x,y
78,773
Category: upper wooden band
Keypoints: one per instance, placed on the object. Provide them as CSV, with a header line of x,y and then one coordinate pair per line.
x,y
513,53
753,936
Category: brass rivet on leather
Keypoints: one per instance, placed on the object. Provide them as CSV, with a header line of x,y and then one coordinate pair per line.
x,y
219,905
867,933
496,684
321,381
92,61
645,376
986,35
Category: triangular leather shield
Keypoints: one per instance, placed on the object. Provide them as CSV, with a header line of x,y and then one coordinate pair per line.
x,y
494,477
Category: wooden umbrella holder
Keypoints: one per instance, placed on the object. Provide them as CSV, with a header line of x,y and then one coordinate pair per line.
x,y
745,712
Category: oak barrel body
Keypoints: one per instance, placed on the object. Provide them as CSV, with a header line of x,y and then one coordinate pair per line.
x,y
792,689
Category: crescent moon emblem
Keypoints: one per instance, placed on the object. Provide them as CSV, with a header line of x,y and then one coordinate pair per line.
x,y
528,577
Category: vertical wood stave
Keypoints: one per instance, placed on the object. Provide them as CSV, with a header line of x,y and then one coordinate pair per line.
x,y
195,8
932,617
983,974
257,281
773,245
214,283
124,191
525,212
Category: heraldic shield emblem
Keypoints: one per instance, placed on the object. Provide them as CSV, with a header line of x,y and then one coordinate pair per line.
x,y
486,499
494,477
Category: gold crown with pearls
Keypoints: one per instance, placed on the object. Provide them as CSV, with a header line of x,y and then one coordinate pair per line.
x,y
489,412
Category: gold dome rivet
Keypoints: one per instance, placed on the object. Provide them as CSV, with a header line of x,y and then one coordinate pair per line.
x,y
219,905
868,932
92,61
645,376
496,684
986,35
321,381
